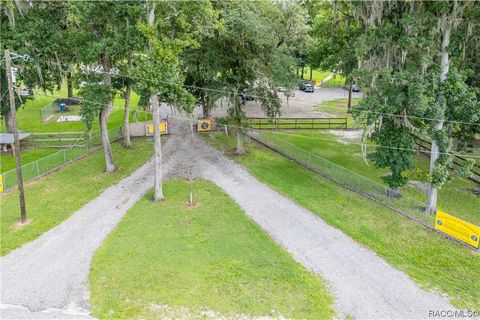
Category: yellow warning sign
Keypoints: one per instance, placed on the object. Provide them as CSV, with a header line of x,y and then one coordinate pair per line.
x,y
204,125
318,83
1,183
457,228
162,126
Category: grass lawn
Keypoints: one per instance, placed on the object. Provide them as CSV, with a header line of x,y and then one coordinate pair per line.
x,y
170,260
7,161
55,197
427,258
455,197
338,108
29,119
336,82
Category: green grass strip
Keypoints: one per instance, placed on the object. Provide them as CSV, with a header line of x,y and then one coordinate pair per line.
x,y
55,197
174,260
430,260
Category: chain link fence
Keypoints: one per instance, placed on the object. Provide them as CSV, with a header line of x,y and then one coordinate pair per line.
x,y
47,112
405,204
39,167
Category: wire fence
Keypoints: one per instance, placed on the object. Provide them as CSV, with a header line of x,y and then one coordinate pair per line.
x,y
39,167
47,112
406,205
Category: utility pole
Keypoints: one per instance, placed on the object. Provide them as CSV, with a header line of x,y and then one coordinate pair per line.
x,y
16,140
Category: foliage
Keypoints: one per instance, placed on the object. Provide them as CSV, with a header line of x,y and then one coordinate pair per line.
x,y
398,160
96,97
400,71
335,32
178,26
25,32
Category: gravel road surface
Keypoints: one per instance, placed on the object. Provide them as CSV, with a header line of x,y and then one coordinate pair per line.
x,y
48,278
302,105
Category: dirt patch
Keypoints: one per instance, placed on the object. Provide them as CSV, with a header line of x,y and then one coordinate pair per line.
x,y
347,136
20,224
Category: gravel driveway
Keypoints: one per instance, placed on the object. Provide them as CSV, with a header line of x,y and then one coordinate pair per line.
x,y
47,278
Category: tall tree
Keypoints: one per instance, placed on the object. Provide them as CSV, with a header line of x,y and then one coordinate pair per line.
x,y
448,16
334,34
408,90
25,28
100,27
170,28
245,48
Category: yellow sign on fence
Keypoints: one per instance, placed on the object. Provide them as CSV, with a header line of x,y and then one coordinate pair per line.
x,y
162,126
457,228
204,125
1,183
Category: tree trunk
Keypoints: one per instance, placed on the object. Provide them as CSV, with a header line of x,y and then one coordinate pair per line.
x,y
126,128
157,143
238,115
394,193
434,154
157,147
16,140
103,118
205,105
350,96
8,122
240,149
303,70
69,85
311,72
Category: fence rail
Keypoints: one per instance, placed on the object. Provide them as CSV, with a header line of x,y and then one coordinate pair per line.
x,y
51,162
424,146
297,123
405,205
54,139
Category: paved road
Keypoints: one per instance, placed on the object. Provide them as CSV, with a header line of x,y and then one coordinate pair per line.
x,y
47,278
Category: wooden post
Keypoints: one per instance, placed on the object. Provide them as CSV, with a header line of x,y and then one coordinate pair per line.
x,y
16,140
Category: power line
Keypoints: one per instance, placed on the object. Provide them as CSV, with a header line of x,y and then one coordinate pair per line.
x,y
298,102
296,135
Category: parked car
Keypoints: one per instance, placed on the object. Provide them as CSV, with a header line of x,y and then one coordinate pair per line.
x,y
246,97
301,85
309,87
355,87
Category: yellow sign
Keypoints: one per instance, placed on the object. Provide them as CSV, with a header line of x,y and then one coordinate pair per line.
x,y
457,228
318,83
204,125
162,126
1,183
